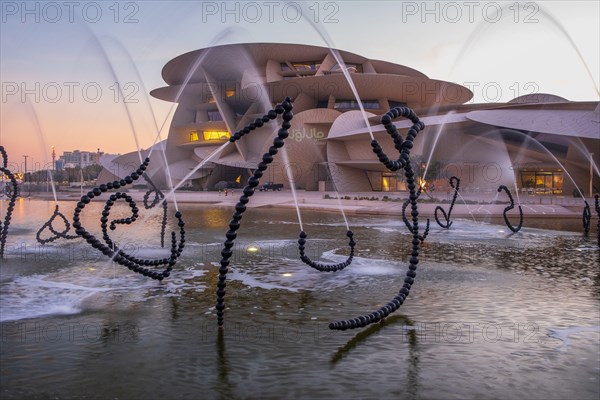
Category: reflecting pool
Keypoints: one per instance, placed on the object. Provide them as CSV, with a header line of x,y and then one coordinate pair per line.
x,y
491,314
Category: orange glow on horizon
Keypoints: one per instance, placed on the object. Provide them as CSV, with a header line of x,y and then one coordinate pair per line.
x,y
77,126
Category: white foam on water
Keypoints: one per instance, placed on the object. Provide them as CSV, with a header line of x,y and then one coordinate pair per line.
x,y
367,266
253,282
261,222
176,283
565,334
151,252
464,230
586,248
64,292
293,275
34,296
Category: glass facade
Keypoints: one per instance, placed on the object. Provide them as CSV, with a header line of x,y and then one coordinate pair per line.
x,y
209,136
299,69
341,104
386,181
349,66
542,182
216,135
214,116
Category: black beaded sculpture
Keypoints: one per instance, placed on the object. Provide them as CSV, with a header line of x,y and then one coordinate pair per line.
x,y
510,207
403,147
326,267
587,218
158,196
12,195
109,248
57,234
407,223
285,108
597,207
455,184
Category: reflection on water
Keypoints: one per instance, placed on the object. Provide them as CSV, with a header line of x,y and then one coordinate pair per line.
x,y
491,315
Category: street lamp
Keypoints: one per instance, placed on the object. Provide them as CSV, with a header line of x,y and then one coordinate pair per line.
x,y
25,172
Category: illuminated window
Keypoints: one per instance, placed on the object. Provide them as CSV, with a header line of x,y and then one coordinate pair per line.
x,y
216,135
542,182
306,66
349,67
194,136
301,66
228,93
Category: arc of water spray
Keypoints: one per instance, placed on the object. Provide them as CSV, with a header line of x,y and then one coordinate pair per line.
x,y
338,58
57,234
224,33
303,236
57,214
109,248
158,138
586,208
477,34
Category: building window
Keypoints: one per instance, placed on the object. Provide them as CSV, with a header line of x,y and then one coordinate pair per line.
x,y
306,66
193,136
341,104
215,116
352,68
216,135
542,182
301,66
386,181
228,93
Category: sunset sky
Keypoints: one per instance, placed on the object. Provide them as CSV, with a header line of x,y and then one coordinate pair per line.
x,y
72,71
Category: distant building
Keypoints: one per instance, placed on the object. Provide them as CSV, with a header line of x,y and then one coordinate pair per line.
x,y
76,158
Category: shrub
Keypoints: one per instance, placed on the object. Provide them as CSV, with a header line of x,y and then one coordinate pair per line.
x,y
221,185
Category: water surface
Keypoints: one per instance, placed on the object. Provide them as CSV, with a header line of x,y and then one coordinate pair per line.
x,y
491,314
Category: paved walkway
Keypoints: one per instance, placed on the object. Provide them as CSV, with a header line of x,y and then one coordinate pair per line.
x,y
533,206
